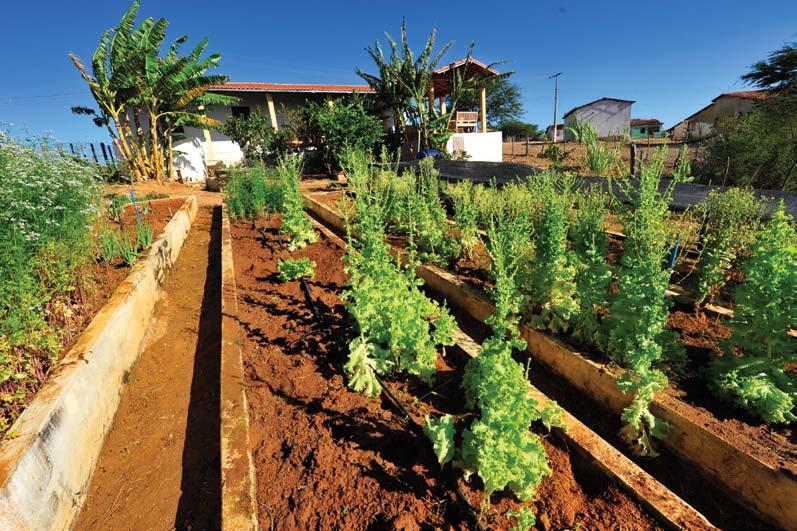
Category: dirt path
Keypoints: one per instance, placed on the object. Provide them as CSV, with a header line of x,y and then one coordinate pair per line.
x,y
159,468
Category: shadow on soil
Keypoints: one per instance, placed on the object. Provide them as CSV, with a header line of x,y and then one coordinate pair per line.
x,y
200,502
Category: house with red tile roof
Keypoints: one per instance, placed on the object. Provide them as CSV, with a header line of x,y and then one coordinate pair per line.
x,y
701,123
645,127
200,148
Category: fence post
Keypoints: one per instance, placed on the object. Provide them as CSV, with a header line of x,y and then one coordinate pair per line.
x,y
104,154
633,160
94,154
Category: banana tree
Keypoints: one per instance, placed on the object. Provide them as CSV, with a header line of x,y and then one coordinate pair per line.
x,y
143,97
403,84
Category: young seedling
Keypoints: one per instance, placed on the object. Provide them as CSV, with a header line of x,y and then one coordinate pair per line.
x,y
143,235
294,269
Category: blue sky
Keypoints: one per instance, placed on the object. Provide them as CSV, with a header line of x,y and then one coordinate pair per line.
x,y
671,57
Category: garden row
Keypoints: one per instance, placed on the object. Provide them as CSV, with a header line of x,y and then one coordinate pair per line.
x,y
62,253
48,455
308,327
763,455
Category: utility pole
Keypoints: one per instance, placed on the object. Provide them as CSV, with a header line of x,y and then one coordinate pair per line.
x,y
555,101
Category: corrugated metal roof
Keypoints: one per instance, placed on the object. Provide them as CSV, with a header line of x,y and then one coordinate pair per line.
x,y
237,86
574,109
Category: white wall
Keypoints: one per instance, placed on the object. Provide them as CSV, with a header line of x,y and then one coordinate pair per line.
x,y
560,133
485,147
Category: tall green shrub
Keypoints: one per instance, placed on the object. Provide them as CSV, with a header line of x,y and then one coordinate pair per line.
x,y
338,126
253,133
252,192
601,159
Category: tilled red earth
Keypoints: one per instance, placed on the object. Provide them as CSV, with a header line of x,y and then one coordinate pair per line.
x,y
329,458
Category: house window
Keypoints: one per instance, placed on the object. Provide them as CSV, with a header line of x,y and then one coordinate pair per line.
x,y
642,130
240,111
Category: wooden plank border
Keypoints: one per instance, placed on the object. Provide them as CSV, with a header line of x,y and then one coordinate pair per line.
x,y
238,497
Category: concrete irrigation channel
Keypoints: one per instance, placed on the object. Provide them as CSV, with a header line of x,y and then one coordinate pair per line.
x,y
768,491
46,469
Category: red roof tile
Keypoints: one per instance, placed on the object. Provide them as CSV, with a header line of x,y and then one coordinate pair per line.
x,y
746,94
291,87
645,121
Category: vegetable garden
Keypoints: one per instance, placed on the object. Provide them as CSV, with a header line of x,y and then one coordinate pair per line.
x,y
626,283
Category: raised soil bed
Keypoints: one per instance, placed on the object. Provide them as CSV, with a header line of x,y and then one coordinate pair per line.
x,y
326,457
96,283
753,463
46,467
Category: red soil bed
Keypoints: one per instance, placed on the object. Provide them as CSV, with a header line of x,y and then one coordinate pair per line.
x,y
775,445
327,457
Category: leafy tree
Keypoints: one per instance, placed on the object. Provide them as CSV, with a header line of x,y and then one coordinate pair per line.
x,y
517,128
757,149
777,72
142,97
760,148
253,133
503,100
337,127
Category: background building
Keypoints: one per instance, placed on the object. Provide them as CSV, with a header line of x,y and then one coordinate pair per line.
x,y
610,116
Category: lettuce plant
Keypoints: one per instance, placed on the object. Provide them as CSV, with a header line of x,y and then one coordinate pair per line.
x,y
638,314
466,215
400,328
423,217
590,243
294,269
294,221
551,283
730,221
766,306
498,445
